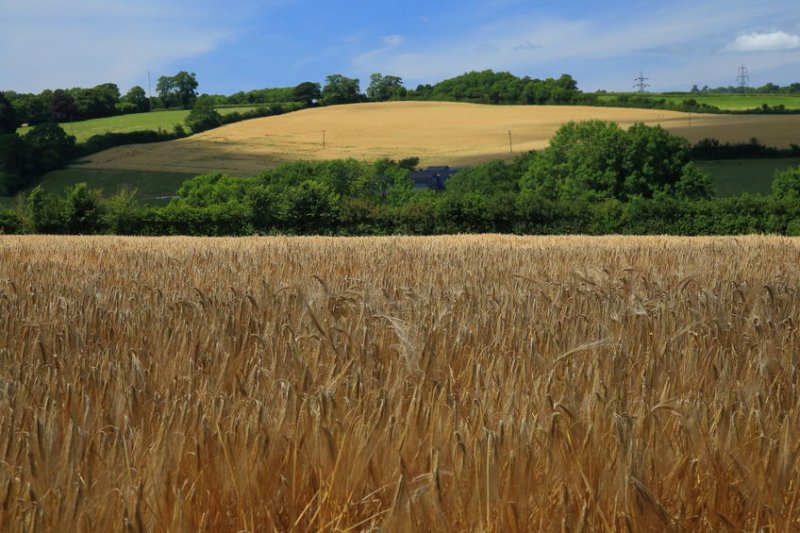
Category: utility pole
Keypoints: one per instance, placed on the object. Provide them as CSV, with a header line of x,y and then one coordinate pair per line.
x,y
510,145
640,85
743,78
149,91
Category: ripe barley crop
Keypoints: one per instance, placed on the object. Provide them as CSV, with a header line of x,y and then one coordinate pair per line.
x,y
448,384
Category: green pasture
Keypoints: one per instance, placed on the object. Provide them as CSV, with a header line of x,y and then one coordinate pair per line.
x,y
731,102
152,187
737,176
155,120
730,178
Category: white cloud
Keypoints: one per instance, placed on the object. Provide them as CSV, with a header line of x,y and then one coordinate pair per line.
x,y
393,40
681,36
765,42
52,43
527,45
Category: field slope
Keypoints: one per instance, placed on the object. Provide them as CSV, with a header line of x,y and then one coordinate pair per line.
x,y
438,132
165,120
724,101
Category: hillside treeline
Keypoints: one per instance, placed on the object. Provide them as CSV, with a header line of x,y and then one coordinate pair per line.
x,y
46,147
491,87
767,88
486,87
688,105
180,91
594,178
106,100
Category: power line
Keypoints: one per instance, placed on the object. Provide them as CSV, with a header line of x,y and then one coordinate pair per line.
x,y
640,85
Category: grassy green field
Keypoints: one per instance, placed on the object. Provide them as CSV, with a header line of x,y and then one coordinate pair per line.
x,y
733,102
730,177
153,187
165,120
737,176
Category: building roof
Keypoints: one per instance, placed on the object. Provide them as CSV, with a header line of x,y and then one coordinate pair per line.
x,y
432,177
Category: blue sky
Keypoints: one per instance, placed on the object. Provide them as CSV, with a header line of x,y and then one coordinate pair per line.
x,y
245,44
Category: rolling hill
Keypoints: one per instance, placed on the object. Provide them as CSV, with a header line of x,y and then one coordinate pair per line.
x,y
446,133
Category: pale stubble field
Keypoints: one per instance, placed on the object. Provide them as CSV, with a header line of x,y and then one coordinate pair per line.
x,y
451,383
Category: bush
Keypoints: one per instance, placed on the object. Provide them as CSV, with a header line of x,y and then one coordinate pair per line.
x,y
50,147
793,228
203,117
10,222
98,143
786,184
311,207
46,212
83,212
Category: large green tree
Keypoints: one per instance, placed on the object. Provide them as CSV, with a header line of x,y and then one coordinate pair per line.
x,y
9,121
100,101
15,164
178,90
137,100
340,90
31,108
382,88
596,160
50,147
307,92
62,106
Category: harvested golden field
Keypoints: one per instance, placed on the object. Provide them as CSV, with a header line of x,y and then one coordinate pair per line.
x,y
445,133
449,384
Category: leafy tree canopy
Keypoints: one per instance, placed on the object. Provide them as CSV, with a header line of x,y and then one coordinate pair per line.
x,y
786,184
307,92
382,88
50,145
203,116
178,90
340,90
596,160
8,116
137,100
502,88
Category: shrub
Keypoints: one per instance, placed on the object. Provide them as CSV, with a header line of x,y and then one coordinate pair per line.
x,y
203,117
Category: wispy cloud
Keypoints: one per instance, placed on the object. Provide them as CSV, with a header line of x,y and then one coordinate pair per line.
x,y
241,44
655,38
51,43
527,45
766,42
393,40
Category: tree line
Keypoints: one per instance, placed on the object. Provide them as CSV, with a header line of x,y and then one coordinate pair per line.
x,y
46,146
105,100
767,88
181,91
594,178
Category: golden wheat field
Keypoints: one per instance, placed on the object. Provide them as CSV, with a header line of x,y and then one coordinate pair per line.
x,y
482,383
454,134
